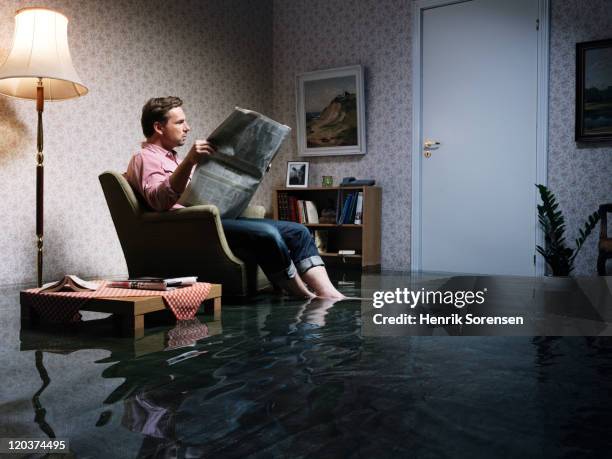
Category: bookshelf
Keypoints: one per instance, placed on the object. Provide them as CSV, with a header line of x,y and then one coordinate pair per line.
x,y
363,238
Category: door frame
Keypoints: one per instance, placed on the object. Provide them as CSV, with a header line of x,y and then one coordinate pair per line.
x,y
541,123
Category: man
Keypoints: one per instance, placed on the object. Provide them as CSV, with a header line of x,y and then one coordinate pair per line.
x,y
285,250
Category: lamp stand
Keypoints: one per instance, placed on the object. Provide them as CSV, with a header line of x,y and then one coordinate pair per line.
x,y
40,53
40,176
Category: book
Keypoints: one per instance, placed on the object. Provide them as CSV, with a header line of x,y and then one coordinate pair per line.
x,y
154,283
293,209
69,283
283,206
312,216
349,206
347,252
300,206
345,206
304,214
171,281
359,209
350,218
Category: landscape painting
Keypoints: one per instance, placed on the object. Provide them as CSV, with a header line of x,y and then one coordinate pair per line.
x,y
330,112
594,91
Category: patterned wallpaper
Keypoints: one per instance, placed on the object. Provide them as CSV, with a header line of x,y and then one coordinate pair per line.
x,y
580,175
216,54
213,54
320,34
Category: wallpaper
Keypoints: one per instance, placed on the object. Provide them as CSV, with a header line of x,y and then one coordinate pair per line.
x,y
216,54
320,34
213,54
580,175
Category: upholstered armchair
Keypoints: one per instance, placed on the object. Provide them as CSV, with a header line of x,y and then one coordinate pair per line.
x,y
605,242
183,242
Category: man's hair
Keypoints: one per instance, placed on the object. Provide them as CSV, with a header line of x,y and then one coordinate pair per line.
x,y
156,110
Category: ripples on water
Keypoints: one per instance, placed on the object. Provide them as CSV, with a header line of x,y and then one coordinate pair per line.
x,y
284,379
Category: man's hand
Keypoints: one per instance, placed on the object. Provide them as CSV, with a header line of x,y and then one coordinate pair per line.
x,y
200,150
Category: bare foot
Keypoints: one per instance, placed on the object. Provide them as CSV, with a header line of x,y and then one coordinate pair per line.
x,y
296,288
330,295
318,280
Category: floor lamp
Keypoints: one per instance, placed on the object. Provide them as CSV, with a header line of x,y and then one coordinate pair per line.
x,y
39,67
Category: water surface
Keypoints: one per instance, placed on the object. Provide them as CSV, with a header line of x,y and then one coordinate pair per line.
x,y
280,378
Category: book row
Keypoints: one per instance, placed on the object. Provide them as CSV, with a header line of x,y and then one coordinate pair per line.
x,y
297,210
349,210
352,209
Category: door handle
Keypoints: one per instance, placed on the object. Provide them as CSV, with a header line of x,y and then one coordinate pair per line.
x,y
430,145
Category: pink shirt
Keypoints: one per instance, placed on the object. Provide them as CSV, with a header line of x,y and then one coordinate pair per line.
x,y
149,174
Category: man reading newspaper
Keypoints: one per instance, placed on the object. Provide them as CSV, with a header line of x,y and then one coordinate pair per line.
x,y
285,250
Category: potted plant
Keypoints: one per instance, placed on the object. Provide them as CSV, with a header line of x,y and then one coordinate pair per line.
x,y
558,256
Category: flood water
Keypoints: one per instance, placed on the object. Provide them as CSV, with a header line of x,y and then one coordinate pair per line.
x,y
280,378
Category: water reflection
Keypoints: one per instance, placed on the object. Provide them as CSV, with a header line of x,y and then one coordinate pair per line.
x,y
153,414
284,378
39,411
313,312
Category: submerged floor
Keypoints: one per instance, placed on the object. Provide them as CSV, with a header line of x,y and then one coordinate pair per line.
x,y
280,378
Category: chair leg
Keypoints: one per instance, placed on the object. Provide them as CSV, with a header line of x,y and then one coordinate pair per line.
x,y
601,264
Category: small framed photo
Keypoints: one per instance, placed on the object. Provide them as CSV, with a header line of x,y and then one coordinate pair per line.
x,y
297,174
594,91
331,112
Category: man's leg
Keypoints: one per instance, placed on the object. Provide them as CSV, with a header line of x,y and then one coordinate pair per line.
x,y
296,287
318,280
258,237
306,258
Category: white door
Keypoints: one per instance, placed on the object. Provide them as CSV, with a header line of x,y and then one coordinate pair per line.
x,y
479,100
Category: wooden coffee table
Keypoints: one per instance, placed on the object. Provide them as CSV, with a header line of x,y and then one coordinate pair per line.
x,y
129,312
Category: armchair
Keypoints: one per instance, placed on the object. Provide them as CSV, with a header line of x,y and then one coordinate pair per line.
x,y
183,242
605,242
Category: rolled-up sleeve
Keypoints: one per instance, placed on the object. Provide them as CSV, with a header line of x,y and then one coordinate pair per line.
x,y
152,180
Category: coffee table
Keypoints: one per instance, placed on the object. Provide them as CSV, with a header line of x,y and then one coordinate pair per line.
x,y
129,312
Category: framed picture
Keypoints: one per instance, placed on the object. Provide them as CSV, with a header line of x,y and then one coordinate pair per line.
x,y
594,91
331,112
297,174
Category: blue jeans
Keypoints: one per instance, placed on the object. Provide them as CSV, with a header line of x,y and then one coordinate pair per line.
x,y
281,248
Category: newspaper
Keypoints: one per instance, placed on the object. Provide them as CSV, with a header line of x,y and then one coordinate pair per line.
x,y
246,142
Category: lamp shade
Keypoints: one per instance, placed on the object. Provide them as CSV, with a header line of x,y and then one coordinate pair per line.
x,y
40,50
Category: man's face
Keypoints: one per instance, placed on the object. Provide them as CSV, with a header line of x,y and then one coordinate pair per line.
x,y
174,131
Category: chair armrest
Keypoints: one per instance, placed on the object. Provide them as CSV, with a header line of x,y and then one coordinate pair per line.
x,y
186,213
254,212
196,212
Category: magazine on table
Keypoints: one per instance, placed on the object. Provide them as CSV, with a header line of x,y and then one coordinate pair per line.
x,y
154,283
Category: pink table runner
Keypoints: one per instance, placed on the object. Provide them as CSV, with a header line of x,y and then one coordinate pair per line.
x,y
63,307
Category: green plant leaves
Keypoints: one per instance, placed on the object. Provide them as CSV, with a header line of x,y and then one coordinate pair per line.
x,y
558,256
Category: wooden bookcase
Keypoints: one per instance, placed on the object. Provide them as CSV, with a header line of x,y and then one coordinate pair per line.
x,y
363,238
